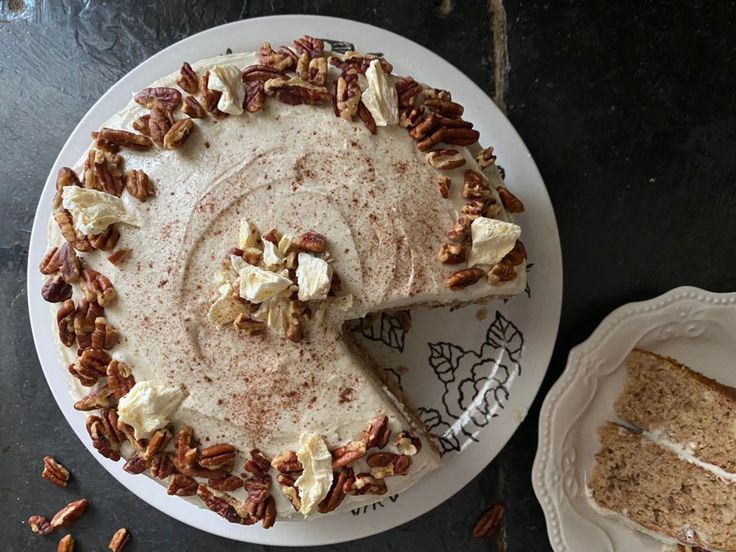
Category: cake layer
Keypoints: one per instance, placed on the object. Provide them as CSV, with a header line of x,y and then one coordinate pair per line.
x,y
657,490
680,406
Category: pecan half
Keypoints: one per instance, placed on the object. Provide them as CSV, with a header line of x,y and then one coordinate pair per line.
x,y
141,125
312,70
443,184
432,140
445,159
437,94
296,91
120,380
367,118
354,62
101,144
311,241
255,97
96,399
408,444
186,452
336,494
464,278
97,287
408,91
182,485
40,525
54,472
157,443
459,232
66,177
69,513
135,465
139,185
347,96
217,456
411,117
424,126
512,203
210,98
502,271
518,254
365,483
452,253
161,466
378,433
119,539
85,315
69,264
261,73
485,158
309,45
160,122
125,139
348,454
288,488
90,366
56,290
193,108
178,134
65,323
461,136
219,505
66,544
229,484
258,464
488,522
120,256
103,336
385,464
474,208
446,108
249,325
187,79
107,240
164,95
475,186
104,440
287,463
281,60
66,226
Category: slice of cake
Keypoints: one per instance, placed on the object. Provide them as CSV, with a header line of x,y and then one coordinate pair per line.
x,y
652,489
680,407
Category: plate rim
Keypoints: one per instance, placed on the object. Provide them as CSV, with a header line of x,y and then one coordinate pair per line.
x,y
573,369
40,330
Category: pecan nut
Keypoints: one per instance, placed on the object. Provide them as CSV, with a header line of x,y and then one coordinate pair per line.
x,y
90,366
125,139
489,522
187,79
445,159
193,108
120,380
311,241
258,464
85,315
261,73
475,186
97,287
66,226
336,494
446,108
296,91
40,525
56,290
347,96
219,505
461,136
312,70
178,133
164,95
65,323
161,466
66,544
518,254
408,91
210,97
103,336
432,140
485,158
96,399
54,472
464,278
367,118
217,456
452,253
348,454
282,60
139,185
104,439
408,444
510,202
309,45
119,539
365,483
354,62
255,97
443,184
141,125
107,240
159,123
287,485
69,513
502,271
385,464
229,484
182,485
378,433
66,177
249,325
120,256
287,463
135,465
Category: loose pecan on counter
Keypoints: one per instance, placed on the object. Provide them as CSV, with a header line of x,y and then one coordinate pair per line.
x,y
54,472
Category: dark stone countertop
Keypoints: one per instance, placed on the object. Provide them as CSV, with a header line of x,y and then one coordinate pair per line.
x,y
628,109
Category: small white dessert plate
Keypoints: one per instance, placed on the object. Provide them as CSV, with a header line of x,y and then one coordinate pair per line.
x,y
473,372
694,326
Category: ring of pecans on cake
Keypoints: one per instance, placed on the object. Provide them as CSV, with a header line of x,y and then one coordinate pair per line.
x,y
313,188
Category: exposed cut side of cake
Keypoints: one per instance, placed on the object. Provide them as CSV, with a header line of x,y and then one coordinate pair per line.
x,y
661,493
680,406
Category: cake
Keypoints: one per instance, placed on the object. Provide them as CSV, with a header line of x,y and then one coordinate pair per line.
x,y
207,252
669,471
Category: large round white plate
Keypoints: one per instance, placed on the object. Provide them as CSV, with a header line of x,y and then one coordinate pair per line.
x,y
474,371
694,326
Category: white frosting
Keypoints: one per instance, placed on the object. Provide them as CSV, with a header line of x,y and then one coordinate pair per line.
x,y
492,239
313,275
380,97
149,406
257,284
228,80
685,453
94,211
315,481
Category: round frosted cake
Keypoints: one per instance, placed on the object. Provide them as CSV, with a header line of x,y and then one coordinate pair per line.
x,y
210,251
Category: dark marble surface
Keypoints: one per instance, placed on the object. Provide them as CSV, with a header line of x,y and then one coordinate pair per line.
x,y
627,107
